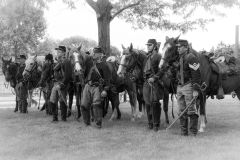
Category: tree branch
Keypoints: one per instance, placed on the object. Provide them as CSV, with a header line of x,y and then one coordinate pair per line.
x,y
93,4
124,8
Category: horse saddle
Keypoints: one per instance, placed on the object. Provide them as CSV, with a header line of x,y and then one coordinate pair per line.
x,y
225,65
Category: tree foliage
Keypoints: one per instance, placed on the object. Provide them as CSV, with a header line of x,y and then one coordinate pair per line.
x,y
22,26
155,14
171,15
115,52
223,49
47,46
87,43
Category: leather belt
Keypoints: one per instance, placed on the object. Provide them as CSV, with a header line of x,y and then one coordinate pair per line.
x,y
93,84
180,84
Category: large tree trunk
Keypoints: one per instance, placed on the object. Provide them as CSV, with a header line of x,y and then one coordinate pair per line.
x,y
103,11
104,33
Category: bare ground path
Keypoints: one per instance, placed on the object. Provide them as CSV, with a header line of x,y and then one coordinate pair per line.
x,y
33,136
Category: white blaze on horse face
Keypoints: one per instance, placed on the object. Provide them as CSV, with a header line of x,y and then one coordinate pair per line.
x,y
166,47
78,67
29,65
122,64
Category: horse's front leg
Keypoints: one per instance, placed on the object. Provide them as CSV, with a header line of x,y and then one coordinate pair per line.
x,y
70,102
201,103
165,105
133,102
141,104
114,99
30,97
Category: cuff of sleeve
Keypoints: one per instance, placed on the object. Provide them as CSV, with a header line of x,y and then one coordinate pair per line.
x,y
195,87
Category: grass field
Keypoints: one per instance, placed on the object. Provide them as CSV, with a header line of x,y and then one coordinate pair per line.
x,y
33,136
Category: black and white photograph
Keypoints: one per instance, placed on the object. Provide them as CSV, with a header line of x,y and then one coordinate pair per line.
x,y
119,80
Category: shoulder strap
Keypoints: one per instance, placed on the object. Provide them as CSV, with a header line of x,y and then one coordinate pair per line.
x,y
96,69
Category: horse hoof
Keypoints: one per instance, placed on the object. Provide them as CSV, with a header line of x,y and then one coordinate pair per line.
x,y
139,115
119,117
111,119
201,130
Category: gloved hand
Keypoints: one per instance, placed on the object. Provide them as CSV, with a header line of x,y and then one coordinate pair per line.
x,y
133,79
104,94
151,80
57,87
195,93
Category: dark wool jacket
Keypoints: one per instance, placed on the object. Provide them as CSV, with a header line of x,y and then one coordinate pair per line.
x,y
155,60
191,70
19,76
63,73
104,72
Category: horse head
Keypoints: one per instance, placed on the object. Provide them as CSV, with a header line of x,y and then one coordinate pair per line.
x,y
33,66
77,58
170,52
128,60
9,69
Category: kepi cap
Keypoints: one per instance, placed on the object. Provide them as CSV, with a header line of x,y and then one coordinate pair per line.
x,y
151,41
21,56
182,42
61,48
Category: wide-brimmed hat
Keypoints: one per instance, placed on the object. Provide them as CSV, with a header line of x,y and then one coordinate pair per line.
x,y
22,56
61,48
182,42
151,41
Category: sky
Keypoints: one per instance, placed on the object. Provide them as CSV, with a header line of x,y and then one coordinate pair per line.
x,y
64,23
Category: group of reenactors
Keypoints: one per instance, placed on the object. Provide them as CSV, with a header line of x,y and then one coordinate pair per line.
x,y
94,90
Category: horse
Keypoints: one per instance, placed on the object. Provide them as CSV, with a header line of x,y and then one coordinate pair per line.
x,y
132,58
32,73
10,69
83,63
47,83
209,78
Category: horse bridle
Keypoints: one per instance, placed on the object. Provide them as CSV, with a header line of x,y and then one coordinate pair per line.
x,y
32,69
130,68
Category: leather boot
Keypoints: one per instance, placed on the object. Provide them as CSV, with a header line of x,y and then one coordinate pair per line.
x,y
54,111
184,125
98,112
49,107
16,108
79,111
193,125
63,108
86,115
24,106
69,112
156,115
43,107
149,116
